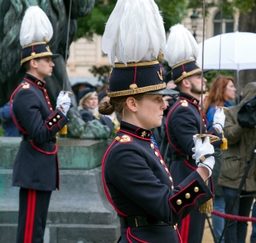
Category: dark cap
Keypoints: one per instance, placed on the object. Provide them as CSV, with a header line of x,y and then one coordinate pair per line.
x,y
85,92
137,78
185,69
36,50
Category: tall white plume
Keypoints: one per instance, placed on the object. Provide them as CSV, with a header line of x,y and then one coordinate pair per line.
x,y
134,32
35,26
181,45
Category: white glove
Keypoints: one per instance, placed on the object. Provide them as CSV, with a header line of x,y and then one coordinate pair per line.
x,y
63,102
201,152
219,119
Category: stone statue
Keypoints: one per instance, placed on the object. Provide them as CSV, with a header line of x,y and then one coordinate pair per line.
x,y
11,73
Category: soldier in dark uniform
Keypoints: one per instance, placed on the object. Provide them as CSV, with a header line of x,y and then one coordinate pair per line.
x,y
182,122
36,169
136,180
135,177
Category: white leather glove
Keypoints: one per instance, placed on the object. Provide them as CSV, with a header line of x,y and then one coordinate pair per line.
x,y
203,151
63,102
219,119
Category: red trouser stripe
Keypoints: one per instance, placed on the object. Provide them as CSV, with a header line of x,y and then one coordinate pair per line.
x,y
185,227
30,217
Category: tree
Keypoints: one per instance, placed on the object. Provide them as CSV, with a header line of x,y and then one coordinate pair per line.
x,y
173,12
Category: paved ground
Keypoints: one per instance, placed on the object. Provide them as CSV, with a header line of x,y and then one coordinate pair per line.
x,y
207,238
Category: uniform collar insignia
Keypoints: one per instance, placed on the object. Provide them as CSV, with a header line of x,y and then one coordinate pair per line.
x,y
143,133
37,82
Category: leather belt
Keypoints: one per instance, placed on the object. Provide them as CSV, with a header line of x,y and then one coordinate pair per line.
x,y
180,156
140,221
27,138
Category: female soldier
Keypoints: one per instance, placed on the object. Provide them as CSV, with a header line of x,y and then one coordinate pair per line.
x,y
136,180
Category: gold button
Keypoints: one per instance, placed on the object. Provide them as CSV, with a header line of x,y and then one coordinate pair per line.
x,y
54,119
156,153
161,161
44,90
187,195
50,123
172,187
46,97
166,169
58,116
152,146
175,226
178,202
48,103
196,189
170,178
51,109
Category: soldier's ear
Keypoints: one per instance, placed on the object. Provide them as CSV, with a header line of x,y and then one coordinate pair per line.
x,y
186,83
131,104
33,63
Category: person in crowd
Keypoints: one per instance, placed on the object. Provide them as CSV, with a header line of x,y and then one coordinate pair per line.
x,y
88,108
221,92
241,144
185,119
9,127
78,87
253,233
36,169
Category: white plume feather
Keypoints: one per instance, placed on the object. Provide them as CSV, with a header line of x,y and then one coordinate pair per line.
x,y
134,32
35,26
181,45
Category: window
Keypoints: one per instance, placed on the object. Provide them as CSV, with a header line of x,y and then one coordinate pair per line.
x,y
223,24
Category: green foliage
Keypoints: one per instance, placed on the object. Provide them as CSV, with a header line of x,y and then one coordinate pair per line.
x,y
95,22
211,75
173,11
1,131
101,72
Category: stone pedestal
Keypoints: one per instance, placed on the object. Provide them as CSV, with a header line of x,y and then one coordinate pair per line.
x,y
79,212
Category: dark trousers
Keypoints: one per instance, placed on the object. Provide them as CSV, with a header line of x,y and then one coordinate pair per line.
x,y
33,209
236,230
192,227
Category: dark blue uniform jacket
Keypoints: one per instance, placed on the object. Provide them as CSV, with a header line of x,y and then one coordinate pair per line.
x,y
182,122
138,183
36,164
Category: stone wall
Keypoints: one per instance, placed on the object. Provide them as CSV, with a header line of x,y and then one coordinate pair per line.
x,y
79,212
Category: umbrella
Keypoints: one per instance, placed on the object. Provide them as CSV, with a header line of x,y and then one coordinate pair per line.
x,y
229,51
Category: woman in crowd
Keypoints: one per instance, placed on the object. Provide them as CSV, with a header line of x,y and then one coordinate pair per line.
x,y
88,108
221,92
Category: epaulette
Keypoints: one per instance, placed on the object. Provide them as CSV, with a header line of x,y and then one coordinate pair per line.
x,y
184,103
124,139
25,85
